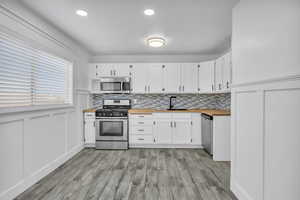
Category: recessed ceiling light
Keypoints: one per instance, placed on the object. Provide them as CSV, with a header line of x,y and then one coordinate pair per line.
x,y
156,42
149,12
81,13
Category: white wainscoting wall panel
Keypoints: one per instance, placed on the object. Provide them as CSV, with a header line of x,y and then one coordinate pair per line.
x,y
266,140
33,144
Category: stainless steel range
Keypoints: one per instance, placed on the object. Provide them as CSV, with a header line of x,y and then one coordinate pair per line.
x,y
112,124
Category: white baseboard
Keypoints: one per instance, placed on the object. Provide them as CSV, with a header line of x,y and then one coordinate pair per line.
x,y
239,192
166,146
27,182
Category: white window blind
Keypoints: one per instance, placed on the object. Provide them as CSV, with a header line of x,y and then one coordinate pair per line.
x,y
30,77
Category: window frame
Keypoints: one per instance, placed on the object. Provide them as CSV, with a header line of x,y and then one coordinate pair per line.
x,y
33,44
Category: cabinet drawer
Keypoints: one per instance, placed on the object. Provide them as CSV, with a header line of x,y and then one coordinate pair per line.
x,y
141,122
143,130
89,115
141,116
182,115
141,139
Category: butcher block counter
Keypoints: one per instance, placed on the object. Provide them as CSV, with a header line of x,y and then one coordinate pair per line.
x,y
210,112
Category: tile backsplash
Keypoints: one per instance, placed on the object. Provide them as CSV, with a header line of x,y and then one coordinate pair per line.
x,y
161,101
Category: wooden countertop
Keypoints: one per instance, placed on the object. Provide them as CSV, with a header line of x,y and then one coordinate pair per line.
x,y
206,111
210,112
90,110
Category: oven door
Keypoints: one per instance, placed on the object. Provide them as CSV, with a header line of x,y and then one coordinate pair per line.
x,y
112,129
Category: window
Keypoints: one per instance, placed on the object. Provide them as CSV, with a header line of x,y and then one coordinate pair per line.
x,y
30,77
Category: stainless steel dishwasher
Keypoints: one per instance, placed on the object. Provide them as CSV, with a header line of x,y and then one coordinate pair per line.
x,y
207,133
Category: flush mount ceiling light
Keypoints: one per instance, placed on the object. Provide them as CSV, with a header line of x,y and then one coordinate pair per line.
x,y
149,12
81,13
156,42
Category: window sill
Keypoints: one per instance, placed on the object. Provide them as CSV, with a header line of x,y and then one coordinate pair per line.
x,y
13,110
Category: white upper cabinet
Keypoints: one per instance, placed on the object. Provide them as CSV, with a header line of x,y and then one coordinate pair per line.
x,y
122,69
219,67
206,76
93,71
156,75
172,78
189,78
227,71
140,78
105,69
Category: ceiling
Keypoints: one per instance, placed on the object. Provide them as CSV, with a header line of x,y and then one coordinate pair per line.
x,y
120,27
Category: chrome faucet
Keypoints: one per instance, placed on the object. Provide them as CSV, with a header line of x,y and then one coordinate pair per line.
x,y
171,106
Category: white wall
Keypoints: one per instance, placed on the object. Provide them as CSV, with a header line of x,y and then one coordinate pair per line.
x,y
266,39
34,143
266,100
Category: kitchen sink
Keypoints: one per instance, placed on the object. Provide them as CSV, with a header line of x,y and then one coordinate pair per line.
x,y
177,109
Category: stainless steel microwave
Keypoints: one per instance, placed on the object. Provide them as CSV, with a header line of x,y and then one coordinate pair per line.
x,y
114,85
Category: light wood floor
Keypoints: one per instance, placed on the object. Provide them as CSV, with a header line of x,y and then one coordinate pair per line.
x,y
136,174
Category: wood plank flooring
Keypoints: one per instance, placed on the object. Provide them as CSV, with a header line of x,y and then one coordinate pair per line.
x,y
136,174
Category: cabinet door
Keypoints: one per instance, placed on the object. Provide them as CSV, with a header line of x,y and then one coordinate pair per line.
x,y
172,78
140,77
155,84
89,132
122,69
206,77
227,71
196,129
189,78
182,131
162,131
93,71
219,73
105,70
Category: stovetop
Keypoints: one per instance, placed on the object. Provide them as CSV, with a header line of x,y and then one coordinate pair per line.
x,y
112,113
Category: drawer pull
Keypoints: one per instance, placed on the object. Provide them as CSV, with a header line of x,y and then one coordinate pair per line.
x,y
141,116
141,123
141,130
141,139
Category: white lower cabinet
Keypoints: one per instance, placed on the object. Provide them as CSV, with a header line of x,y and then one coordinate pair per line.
x,y
196,129
140,130
182,131
165,130
162,131
89,129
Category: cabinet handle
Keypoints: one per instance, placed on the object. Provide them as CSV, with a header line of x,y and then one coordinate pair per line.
x,y
141,122
148,88
227,84
141,130
183,88
141,116
191,140
180,88
154,140
145,88
175,124
141,139
219,86
212,88
111,72
171,124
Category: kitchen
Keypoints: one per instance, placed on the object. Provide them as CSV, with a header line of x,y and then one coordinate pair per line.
x,y
143,100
